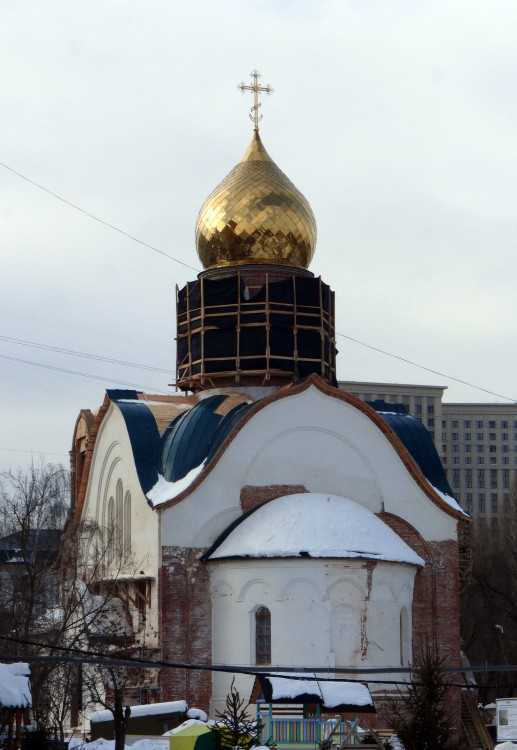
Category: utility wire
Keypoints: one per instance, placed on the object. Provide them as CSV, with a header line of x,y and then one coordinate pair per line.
x,y
110,360
295,673
170,257
428,369
75,353
82,374
40,453
96,218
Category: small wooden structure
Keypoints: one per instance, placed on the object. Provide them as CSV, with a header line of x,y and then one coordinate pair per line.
x,y
314,700
151,720
15,696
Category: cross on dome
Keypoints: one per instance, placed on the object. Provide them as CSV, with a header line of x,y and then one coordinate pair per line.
x,y
256,89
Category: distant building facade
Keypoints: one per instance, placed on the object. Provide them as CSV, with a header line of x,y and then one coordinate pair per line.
x,y
477,443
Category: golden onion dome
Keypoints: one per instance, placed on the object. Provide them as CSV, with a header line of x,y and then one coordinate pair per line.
x,y
256,215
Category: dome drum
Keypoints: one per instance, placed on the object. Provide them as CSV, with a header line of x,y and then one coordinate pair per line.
x,y
282,331
255,276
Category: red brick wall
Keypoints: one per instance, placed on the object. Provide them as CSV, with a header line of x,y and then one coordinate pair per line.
x,y
185,610
436,600
253,496
186,625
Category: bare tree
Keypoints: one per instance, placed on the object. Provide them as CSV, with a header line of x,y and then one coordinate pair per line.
x,y
62,589
33,511
489,602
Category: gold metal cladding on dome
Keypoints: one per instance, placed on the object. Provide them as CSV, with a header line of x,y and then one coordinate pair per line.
x,y
256,215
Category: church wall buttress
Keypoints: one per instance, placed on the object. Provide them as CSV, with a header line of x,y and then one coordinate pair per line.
x,y
436,599
186,625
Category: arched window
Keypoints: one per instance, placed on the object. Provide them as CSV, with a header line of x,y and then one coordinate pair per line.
x,y
262,636
110,529
127,525
118,531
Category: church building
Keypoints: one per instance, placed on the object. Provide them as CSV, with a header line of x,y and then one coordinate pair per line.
x,y
261,517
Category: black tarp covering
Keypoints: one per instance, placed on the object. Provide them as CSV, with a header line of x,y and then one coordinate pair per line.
x,y
224,331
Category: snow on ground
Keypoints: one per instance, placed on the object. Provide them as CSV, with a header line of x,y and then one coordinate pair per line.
x,y
505,746
315,525
164,490
15,689
156,743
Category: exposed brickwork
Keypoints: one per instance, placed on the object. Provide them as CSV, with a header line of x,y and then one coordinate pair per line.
x,y
252,496
185,606
436,599
464,532
186,625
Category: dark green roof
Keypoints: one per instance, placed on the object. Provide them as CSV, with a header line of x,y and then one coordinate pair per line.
x,y
195,436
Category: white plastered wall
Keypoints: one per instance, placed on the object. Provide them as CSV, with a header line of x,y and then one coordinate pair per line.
x,y
113,461
310,439
319,608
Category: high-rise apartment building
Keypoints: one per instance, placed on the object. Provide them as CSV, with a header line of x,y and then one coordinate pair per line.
x,y
477,443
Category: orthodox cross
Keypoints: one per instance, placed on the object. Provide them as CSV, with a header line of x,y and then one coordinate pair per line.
x,y
254,115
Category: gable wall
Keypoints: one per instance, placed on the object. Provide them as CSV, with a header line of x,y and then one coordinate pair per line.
x,y
313,440
112,461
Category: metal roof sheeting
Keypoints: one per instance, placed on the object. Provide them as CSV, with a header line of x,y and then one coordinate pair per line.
x,y
417,440
196,435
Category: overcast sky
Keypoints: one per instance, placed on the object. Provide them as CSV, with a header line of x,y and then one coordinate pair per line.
x,y
396,119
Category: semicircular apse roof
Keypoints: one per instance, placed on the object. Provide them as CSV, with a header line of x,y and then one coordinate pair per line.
x,y
312,525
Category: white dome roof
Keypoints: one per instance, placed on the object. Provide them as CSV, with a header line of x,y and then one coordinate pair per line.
x,y
314,525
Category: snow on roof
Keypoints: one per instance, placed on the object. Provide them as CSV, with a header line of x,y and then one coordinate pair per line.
x,y
151,709
331,693
186,724
164,490
15,689
450,501
197,713
314,525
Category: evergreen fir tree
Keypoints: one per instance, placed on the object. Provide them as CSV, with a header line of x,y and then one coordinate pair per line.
x,y
234,727
418,715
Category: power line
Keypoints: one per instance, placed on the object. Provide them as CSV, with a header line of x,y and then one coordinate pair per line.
x,y
83,656
428,369
82,374
75,353
97,357
170,257
81,326
40,453
96,218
